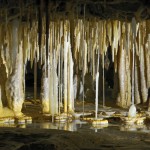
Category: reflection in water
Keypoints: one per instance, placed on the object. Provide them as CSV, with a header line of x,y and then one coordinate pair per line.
x,y
96,127
78,125
133,127
68,126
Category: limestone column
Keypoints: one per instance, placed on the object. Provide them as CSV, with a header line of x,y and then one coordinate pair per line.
x,y
144,91
45,93
15,81
121,73
137,94
15,86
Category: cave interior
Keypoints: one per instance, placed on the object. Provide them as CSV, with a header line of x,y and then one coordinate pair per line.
x,y
57,57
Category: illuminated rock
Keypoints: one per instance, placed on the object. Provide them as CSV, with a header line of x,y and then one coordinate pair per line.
x,y
132,111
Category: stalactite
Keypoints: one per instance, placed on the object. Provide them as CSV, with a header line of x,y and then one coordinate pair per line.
x,y
147,53
96,99
121,72
55,88
127,81
70,85
66,46
93,55
115,39
48,41
51,88
103,61
109,31
61,75
136,93
59,81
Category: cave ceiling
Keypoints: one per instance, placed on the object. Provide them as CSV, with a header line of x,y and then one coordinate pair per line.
x,y
102,9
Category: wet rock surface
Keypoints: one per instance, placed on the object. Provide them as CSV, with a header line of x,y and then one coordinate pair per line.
x,y
45,139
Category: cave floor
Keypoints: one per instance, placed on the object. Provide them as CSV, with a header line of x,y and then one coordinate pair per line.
x,y
42,134
50,139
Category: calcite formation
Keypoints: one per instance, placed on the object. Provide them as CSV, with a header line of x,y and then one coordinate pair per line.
x,y
66,46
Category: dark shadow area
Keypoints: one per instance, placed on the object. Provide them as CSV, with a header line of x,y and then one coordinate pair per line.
x,y
29,81
109,69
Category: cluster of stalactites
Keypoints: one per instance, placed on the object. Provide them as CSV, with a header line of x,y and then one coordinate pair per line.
x,y
97,35
90,38
93,37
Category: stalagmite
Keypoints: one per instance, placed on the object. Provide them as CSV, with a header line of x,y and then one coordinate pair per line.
x,y
132,111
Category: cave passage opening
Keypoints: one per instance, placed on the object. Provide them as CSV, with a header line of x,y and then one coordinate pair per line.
x,y
33,77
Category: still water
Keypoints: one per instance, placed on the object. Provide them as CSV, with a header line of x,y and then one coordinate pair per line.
x,y
82,126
